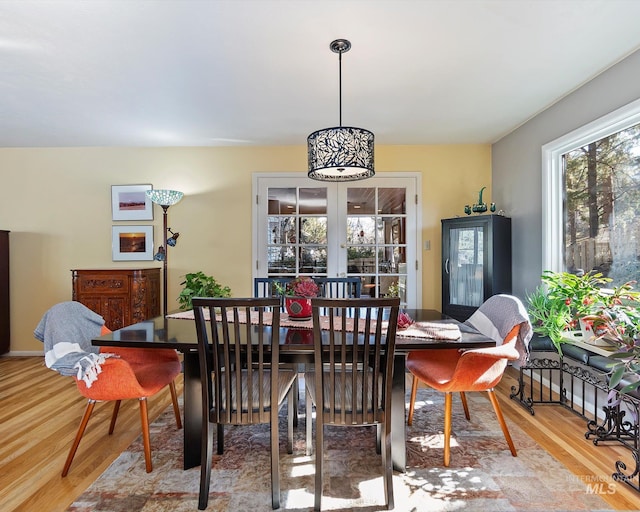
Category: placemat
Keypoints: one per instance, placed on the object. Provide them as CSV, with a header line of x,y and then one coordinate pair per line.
x,y
427,330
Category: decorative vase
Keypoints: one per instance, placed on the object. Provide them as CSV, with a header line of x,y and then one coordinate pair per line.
x,y
298,308
299,337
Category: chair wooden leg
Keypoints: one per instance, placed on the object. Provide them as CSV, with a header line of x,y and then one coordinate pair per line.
x,y
463,398
114,416
83,425
275,457
308,420
412,400
291,416
447,428
503,424
206,453
296,398
220,438
176,407
387,464
144,419
319,459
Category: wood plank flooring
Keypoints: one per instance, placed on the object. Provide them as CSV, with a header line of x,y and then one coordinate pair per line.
x,y
40,412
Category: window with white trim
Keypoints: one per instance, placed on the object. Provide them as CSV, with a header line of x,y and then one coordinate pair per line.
x,y
591,198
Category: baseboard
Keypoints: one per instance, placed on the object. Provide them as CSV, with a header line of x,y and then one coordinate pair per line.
x,y
23,353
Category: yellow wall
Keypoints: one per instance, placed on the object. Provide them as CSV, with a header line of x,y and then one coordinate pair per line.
x,y
57,204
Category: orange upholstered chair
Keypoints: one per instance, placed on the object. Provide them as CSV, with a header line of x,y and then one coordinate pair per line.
x,y
110,373
502,318
135,373
452,370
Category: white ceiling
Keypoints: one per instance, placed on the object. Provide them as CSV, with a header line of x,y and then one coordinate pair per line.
x,y
260,72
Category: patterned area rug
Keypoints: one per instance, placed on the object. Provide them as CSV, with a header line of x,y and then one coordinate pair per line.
x,y
483,476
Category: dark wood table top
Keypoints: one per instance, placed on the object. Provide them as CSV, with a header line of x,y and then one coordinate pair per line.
x,y
180,334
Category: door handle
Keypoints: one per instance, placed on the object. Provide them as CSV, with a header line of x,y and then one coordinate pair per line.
x,y
446,265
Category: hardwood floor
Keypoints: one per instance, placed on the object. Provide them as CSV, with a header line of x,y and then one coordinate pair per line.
x,y
40,412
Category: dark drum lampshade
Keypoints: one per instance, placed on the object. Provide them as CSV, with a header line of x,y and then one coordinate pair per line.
x,y
341,153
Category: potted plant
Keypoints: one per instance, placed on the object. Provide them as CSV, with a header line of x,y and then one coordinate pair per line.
x,y
562,300
297,296
198,284
616,321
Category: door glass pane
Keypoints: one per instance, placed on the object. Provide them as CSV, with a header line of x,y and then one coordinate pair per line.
x,y
361,201
281,230
282,200
313,260
297,231
376,237
392,200
313,230
281,260
361,230
465,266
313,201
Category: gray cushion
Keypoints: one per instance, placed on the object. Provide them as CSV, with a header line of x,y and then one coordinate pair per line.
x,y
577,353
541,344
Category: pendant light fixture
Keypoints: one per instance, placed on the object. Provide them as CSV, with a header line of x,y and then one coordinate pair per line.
x,y
342,153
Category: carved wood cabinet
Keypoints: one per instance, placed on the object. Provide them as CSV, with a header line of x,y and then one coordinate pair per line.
x,y
121,296
5,329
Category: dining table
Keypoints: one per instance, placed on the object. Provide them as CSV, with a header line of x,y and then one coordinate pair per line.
x,y
178,331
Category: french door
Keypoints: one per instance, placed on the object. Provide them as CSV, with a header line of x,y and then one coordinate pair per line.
x,y
367,229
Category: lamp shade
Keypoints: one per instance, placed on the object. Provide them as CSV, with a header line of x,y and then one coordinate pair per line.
x,y
343,153
164,197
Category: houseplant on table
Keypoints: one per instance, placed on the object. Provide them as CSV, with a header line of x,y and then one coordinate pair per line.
x,y
297,297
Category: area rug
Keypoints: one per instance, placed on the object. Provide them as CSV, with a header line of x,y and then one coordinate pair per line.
x,y
483,476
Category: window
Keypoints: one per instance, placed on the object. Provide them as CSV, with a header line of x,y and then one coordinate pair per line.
x,y
591,189
602,194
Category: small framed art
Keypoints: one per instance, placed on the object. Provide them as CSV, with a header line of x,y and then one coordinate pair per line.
x,y
130,202
132,243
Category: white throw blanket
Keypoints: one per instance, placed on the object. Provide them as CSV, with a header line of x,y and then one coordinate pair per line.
x,y
66,331
498,315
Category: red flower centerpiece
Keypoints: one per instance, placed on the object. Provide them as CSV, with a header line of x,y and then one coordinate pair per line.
x,y
298,295
404,321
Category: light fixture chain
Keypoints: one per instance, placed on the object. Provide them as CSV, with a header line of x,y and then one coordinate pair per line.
x,y
340,85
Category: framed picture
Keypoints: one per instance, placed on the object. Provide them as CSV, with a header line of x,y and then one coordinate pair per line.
x,y
132,243
130,202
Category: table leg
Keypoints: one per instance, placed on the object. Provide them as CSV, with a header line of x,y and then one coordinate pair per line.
x,y
398,434
192,410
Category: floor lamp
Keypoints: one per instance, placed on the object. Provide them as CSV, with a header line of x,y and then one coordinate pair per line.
x,y
165,198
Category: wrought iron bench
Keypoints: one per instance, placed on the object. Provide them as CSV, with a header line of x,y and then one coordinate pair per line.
x,y
578,379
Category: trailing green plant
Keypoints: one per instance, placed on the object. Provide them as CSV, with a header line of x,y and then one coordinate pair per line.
x,y
557,305
617,320
198,284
